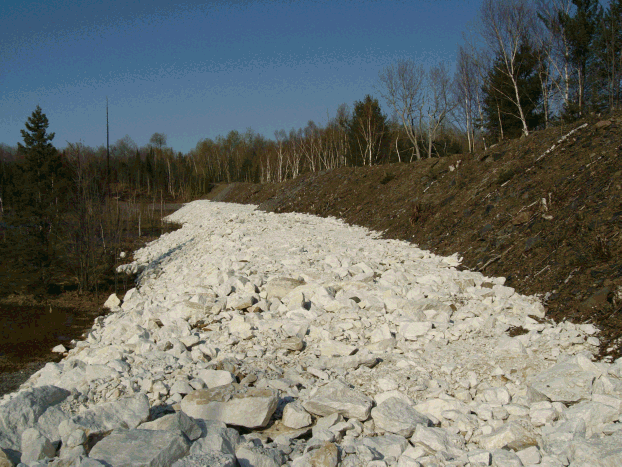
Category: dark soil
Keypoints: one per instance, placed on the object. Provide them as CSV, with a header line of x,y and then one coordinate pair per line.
x,y
547,221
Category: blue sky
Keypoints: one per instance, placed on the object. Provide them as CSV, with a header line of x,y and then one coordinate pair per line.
x,y
196,70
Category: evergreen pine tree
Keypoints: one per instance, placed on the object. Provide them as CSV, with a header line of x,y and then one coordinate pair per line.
x,y
607,51
42,192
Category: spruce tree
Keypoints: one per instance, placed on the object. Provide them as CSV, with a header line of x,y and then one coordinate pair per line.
x,y
607,50
42,192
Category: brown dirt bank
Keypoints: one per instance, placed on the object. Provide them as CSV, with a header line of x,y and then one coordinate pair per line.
x,y
547,221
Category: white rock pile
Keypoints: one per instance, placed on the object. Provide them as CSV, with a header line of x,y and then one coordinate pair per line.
x,y
257,339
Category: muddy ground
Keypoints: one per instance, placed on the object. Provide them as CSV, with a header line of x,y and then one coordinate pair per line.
x,y
543,211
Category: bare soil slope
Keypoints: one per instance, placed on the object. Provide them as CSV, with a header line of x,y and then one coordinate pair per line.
x,y
544,211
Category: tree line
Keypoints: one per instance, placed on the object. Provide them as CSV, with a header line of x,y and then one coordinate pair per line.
x,y
530,64
524,65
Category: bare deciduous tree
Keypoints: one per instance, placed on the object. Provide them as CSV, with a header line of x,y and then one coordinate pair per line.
x,y
158,139
438,102
124,147
280,137
402,87
466,84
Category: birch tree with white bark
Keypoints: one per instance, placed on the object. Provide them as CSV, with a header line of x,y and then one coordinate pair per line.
x,y
505,25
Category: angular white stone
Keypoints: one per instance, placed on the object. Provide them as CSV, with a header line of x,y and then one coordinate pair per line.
x,y
338,397
515,435
594,414
181,387
112,303
568,381
123,413
252,456
216,437
529,456
23,412
480,457
173,422
35,446
216,378
251,409
605,452
387,445
397,416
333,348
413,330
438,440
295,416
292,343
279,287
505,458
437,406
497,396
141,448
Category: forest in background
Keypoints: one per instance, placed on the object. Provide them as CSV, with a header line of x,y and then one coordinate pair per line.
x,y
525,65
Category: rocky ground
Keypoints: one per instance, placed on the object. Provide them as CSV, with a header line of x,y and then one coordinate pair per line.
x,y
543,211
263,339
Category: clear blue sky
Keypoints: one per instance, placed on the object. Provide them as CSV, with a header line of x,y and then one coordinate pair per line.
x,y
195,69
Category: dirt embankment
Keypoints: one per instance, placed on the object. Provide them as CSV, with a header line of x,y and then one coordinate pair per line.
x,y
544,211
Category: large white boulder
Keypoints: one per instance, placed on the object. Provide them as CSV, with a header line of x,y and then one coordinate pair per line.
x,y
338,397
252,408
141,448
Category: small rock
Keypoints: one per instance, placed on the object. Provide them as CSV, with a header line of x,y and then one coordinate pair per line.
x,y
112,303
292,343
295,416
60,348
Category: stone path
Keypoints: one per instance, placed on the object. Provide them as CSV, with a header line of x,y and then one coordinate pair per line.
x,y
259,339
